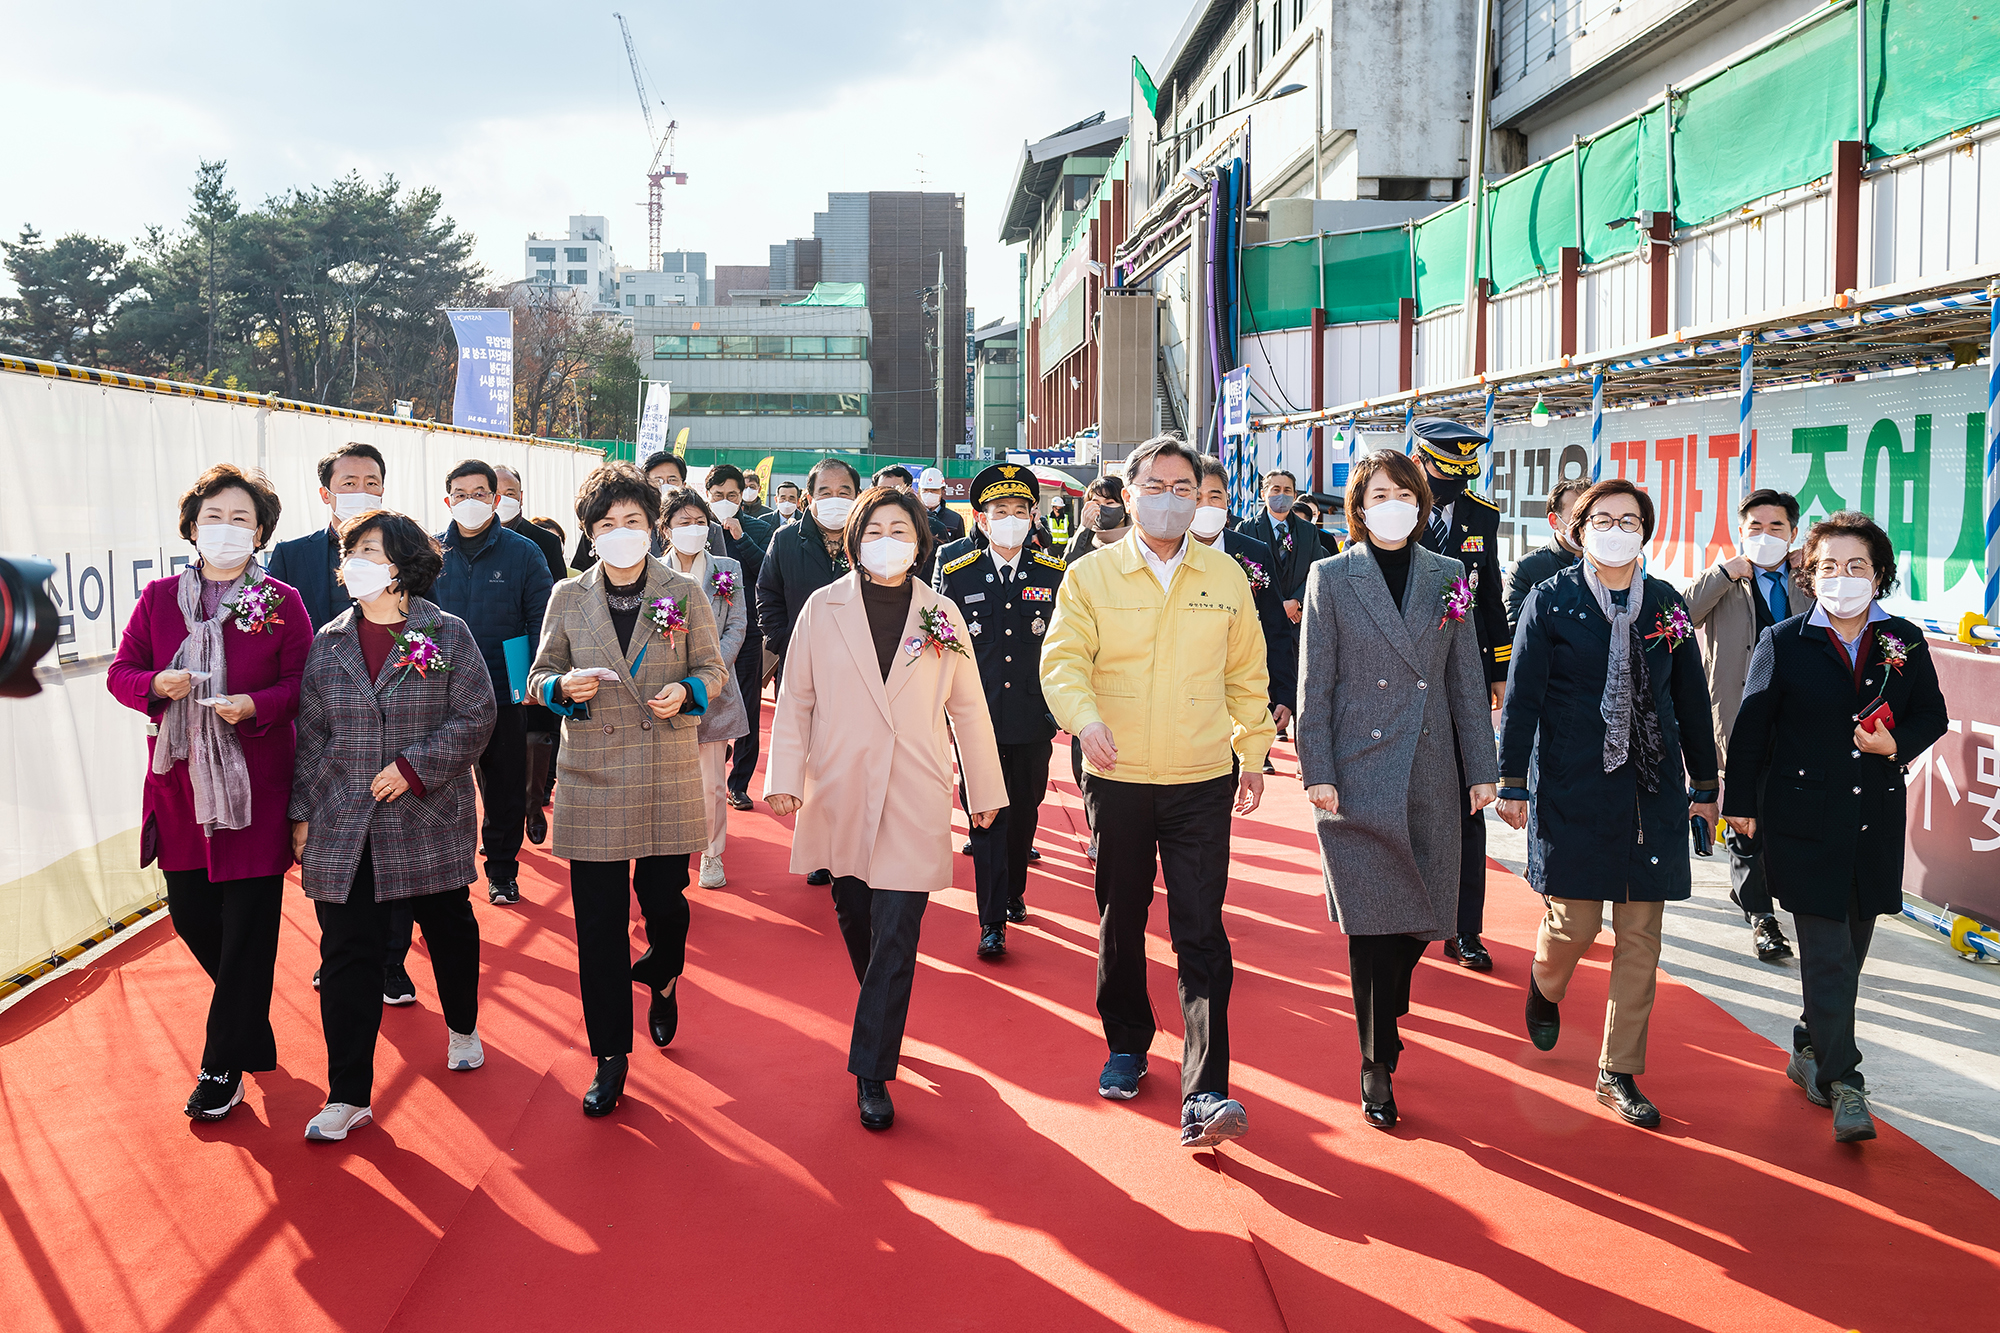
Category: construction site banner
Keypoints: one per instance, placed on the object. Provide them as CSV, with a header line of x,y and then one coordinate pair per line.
x,y
1906,449
484,399
95,473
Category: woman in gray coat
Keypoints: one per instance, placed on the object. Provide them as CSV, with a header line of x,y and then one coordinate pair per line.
x,y
685,517
1392,700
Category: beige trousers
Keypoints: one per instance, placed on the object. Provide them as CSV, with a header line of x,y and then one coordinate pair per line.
x,y
1568,928
714,757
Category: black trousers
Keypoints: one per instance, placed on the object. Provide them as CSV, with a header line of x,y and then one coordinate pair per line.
x,y
231,928
743,750
1000,853
1471,861
601,893
502,774
880,928
1830,957
1186,825
1379,968
1746,874
351,938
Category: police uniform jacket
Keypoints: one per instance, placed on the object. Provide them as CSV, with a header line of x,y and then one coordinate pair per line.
x,y
1473,539
1006,622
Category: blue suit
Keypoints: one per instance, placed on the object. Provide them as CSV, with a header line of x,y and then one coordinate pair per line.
x,y
307,564
1281,640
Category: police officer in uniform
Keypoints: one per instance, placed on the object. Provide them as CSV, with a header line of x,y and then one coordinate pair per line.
x,y
1466,526
1007,591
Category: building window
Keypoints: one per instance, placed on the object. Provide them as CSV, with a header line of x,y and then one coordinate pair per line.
x,y
1242,71
631,299
1225,92
649,298
1298,13
575,254
545,275
770,404
579,277
750,347
538,254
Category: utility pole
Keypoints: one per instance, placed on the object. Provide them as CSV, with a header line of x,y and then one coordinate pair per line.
x,y
937,379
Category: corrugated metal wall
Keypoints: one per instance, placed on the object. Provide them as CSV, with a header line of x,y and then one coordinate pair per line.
x,y
1933,213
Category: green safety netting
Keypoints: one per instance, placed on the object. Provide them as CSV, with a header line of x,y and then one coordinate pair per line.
x,y
1763,125
836,293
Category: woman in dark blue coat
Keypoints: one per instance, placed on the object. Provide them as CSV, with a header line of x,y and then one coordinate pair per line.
x,y
1605,666
1826,792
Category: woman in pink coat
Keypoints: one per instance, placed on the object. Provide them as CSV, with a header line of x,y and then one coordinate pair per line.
x,y
214,655
877,662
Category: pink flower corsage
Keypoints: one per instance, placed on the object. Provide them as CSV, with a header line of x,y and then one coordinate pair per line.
x,y
935,630
256,607
1457,597
1673,627
667,618
1894,651
1259,579
419,651
723,585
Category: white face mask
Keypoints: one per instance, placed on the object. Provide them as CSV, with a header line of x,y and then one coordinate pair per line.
x,y
508,509
787,508
353,504
622,548
1209,521
1845,598
689,538
1764,550
224,545
1391,520
1008,533
1613,546
365,579
832,510
471,513
724,509
750,496
931,499
886,557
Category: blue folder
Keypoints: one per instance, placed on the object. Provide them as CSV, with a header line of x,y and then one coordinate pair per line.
x,y
519,654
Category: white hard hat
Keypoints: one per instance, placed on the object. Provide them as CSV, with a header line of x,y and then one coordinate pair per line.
x,y
931,480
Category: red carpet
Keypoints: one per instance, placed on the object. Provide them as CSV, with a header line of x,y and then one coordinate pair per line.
x,y
734,1188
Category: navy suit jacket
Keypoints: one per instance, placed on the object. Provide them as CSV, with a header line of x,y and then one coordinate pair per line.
x,y
307,564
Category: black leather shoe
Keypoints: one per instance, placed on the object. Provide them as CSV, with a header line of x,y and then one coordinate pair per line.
x,y
871,1095
820,878
992,941
966,850
1378,1095
538,827
1034,855
1017,910
1621,1093
740,800
1469,953
607,1087
1544,1017
663,1015
1770,941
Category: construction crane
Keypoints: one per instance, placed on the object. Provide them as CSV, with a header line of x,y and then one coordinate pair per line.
x,y
656,175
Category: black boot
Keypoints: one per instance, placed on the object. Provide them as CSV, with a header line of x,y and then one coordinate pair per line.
x,y
871,1095
663,1015
607,1087
1378,1095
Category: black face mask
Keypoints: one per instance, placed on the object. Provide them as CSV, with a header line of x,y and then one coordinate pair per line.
x,y
1445,490
1110,516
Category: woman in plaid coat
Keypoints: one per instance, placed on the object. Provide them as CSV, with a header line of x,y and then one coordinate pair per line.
x,y
395,707
630,659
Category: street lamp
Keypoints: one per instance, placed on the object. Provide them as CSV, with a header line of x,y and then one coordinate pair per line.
x,y
1258,100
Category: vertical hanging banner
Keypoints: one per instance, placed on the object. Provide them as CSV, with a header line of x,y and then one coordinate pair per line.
x,y
653,419
484,399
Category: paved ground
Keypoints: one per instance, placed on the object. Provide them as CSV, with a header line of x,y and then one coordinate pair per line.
x,y
1930,1021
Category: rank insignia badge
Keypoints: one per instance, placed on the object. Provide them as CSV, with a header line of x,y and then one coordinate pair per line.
x,y
1037,595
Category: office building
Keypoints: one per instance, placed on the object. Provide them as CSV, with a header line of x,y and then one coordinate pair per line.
x,y
681,279
580,259
996,390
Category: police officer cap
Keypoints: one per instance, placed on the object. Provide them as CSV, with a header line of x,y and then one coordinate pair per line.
x,y
1003,480
1451,446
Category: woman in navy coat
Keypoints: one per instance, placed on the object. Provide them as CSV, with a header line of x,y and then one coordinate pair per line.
x,y
1826,791
1612,800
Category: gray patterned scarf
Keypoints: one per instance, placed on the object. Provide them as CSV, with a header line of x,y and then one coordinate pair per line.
x,y
188,731
1630,718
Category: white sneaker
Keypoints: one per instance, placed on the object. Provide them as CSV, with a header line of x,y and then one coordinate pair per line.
x,y
462,1050
331,1125
712,876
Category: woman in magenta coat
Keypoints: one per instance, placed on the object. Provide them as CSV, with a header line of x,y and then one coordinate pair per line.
x,y
214,655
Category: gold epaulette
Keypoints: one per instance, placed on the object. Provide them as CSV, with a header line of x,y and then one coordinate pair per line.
x,y
961,562
1052,561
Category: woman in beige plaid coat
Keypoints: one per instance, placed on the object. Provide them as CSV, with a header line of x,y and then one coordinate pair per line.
x,y
630,660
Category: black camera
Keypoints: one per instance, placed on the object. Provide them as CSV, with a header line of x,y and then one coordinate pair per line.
x,y
27,622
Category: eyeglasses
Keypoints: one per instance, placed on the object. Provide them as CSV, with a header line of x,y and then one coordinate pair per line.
x,y
1150,486
1853,569
1604,523
482,495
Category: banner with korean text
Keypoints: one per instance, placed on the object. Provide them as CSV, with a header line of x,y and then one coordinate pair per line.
x,y
484,399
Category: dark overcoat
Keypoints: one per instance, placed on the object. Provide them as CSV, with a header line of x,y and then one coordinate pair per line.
x,y
1601,835
351,727
1830,815
1382,695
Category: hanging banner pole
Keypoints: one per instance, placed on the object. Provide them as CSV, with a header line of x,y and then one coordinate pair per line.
x,y
1992,599
1746,443
1486,482
1597,425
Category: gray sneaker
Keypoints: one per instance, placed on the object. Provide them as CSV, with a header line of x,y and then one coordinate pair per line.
x,y
1803,1070
1208,1118
1851,1121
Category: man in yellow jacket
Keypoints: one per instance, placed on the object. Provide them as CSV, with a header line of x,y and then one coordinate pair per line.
x,y
1155,663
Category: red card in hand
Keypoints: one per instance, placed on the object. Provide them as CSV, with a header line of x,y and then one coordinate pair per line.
x,y
1881,713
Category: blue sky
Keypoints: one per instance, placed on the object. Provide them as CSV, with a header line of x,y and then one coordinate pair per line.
x,y
524,114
